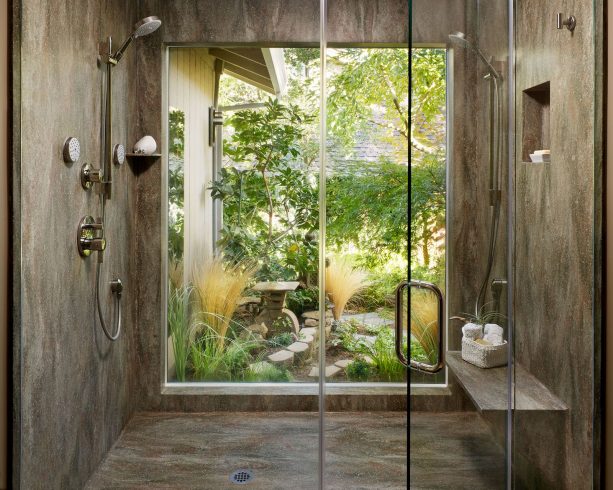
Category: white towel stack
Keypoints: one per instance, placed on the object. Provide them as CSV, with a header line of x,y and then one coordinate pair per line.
x,y
493,333
472,331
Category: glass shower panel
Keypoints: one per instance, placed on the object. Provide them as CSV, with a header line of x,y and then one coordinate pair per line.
x,y
367,250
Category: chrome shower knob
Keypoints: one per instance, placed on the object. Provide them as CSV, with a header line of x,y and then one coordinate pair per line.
x,y
119,154
90,175
72,150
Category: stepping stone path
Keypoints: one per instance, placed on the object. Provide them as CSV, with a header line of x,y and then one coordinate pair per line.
x,y
330,371
343,363
283,357
371,318
312,331
301,350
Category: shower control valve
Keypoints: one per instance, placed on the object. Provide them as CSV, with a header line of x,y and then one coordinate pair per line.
x,y
570,23
90,236
90,175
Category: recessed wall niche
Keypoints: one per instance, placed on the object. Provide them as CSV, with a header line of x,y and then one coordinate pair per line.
x,y
536,120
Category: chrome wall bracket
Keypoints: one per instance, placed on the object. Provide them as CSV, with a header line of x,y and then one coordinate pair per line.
x,y
90,175
570,23
90,236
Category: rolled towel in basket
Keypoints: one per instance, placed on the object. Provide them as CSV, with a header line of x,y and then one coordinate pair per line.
x,y
493,333
472,331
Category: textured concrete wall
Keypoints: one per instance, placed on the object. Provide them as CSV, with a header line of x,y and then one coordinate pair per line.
x,y
278,23
74,393
554,243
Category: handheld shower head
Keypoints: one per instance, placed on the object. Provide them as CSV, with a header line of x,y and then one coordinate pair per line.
x,y
142,28
459,39
146,26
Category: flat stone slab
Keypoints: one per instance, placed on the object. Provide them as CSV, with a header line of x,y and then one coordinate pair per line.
x,y
297,347
343,363
311,322
330,371
270,286
282,357
307,339
308,331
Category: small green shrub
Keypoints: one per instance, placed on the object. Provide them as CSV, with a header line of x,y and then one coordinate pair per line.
x,y
383,353
346,335
358,370
210,363
281,340
266,372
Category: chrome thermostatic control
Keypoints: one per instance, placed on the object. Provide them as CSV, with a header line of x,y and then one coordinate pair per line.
x,y
90,236
90,175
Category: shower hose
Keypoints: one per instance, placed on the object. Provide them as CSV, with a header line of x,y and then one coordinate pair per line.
x,y
117,294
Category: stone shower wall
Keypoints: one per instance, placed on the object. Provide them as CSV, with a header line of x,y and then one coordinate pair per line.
x,y
73,396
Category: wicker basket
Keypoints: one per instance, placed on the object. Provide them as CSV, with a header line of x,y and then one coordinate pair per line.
x,y
484,356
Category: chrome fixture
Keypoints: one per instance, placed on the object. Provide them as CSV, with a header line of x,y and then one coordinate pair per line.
x,y
141,28
570,23
90,236
495,155
90,175
119,154
114,155
71,150
398,320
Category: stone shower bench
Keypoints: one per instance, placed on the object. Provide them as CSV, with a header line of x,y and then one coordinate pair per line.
x,y
488,388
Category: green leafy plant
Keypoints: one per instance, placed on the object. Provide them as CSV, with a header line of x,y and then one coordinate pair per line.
x,y
383,354
483,316
358,370
281,340
212,363
178,326
346,335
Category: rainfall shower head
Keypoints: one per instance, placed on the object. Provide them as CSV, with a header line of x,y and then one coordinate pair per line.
x,y
459,39
142,28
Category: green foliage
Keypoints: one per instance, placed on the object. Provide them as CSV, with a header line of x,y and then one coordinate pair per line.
x,y
383,353
176,187
358,370
367,206
302,300
346,332
178,326
265,372
367,78
281,340
212,363
418,353
270,199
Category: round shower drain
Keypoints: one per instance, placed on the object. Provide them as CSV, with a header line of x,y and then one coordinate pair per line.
x,y
241,477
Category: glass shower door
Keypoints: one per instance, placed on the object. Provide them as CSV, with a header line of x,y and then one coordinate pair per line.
x,y
459,109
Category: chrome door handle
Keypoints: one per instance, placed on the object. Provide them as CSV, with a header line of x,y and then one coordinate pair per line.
x,y
420,366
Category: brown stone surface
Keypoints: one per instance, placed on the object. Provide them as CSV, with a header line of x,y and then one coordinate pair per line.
x,y
363,450
73,386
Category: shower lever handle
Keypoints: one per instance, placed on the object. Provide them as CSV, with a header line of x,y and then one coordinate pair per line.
x,y
570,23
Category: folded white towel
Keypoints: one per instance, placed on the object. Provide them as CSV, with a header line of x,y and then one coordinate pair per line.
x,y
472,331
493,333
